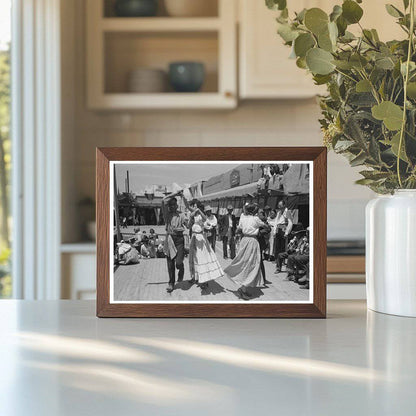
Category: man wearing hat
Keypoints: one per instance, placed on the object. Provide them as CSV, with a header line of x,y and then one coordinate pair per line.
x,y
176,223
210,226
227,228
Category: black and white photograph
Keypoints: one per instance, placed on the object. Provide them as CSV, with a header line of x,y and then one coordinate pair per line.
x,y
208,232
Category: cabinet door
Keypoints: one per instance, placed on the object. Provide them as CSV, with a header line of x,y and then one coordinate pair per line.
x,y
265,68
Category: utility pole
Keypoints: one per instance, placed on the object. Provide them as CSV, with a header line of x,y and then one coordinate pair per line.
x,y
115,197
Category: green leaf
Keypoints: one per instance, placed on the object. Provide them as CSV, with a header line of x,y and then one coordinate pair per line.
x,y
347,37
393,11
385,63
343,145
394,145
375,35
353,130
374,175
286,32
391,114
319,61
412,67
358,61
406,4
276,4
363,86
303,43
358,160
361,99
411,90
336,12
300,17
325,43
321,79
374,150
341,64
351,11
316,20
342,25
301,63
364,181
333,32
368,36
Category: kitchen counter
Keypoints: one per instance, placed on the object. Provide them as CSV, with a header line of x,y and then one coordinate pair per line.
x,y
57,358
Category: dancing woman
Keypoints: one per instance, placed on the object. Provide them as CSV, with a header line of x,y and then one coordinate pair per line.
x,y
245,269
203,263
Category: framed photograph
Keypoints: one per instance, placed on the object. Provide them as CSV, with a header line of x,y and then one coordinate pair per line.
x,y
211,232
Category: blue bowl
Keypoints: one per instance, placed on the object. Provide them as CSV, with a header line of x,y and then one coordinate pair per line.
x,y
136,8
186,76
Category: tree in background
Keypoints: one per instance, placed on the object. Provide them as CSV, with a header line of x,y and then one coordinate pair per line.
x,y
5,165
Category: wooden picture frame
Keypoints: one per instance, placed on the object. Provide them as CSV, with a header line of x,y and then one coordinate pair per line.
x,y
316,308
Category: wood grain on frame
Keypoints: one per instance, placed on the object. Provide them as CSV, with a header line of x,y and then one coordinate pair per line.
x,y
317,309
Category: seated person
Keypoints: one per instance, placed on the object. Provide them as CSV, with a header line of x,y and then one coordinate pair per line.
x,y
137,234
127,253
160,251
298,263
144,248
152,248
152,236
291,249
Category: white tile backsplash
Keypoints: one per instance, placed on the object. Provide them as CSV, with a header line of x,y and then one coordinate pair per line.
x,y
257,123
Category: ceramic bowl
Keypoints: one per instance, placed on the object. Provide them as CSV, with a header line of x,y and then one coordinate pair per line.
x,y
186,76
147,80
136,8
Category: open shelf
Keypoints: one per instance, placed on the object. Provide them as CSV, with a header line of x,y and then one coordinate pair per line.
x,y
130,101
80,247
160,24
116,46
211,9
127,51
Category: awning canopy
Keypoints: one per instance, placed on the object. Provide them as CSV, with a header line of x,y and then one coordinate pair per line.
x,y
143,202
250,188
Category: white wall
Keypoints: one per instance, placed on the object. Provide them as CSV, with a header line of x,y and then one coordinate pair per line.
x,y
266,123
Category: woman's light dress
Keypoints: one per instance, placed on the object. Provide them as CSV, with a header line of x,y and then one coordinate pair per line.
x,y
203,263
245,267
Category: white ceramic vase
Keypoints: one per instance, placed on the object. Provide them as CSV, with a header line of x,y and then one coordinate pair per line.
x,y
391,253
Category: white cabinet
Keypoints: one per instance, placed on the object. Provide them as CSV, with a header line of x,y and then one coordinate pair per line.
x,y
78,262
265,70
118,45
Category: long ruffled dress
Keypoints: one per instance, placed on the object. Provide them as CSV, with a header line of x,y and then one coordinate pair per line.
x,y
203,263
245,267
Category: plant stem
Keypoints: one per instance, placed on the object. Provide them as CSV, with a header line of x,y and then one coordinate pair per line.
x,y
406,80
346,75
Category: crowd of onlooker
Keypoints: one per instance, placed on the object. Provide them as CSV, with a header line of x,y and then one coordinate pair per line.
x,y
281,241
286,244
141,245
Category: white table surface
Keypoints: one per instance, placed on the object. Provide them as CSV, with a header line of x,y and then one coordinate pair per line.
x,y
56,358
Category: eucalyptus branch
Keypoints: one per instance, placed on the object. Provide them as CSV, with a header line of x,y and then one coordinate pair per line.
x,y
406,80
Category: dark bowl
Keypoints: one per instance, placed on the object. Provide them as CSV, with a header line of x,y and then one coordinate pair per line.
x,y
186,76
136,8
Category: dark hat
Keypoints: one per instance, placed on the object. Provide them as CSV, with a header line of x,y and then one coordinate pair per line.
x,y
172,201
